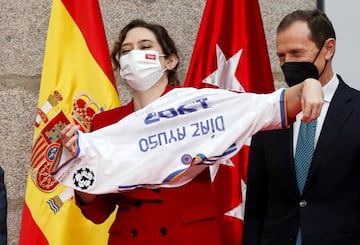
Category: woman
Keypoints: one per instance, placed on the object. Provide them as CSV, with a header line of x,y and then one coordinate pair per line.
x,y
182,215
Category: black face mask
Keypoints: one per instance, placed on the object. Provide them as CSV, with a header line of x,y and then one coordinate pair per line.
x,y
297,72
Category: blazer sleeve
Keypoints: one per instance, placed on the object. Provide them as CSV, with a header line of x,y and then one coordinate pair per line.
x,y
100,209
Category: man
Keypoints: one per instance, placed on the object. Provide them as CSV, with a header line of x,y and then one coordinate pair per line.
x,y
3,210
324,208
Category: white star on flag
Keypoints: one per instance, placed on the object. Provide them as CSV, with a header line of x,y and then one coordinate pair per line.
x,y
224,76
214,168
238,211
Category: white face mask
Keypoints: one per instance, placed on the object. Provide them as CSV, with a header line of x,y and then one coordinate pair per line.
x,y
141,68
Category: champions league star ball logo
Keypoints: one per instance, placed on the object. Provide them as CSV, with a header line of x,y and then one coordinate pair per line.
x,y
84,178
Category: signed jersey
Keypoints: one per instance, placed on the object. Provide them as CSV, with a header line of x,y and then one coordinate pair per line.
x,y
170,141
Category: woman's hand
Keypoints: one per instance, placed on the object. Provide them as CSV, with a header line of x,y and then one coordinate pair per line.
x,y
69,137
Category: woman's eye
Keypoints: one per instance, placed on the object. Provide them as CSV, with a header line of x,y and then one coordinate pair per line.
x,y
125,51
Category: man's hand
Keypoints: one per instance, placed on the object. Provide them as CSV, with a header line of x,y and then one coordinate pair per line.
x,y
312,99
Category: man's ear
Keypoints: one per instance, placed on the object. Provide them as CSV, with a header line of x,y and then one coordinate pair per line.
x,y
171,62
329,45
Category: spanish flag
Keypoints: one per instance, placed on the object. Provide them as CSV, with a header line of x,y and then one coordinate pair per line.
x,y
77,82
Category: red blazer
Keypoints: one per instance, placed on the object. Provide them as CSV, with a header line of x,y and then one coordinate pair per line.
x,y
183,215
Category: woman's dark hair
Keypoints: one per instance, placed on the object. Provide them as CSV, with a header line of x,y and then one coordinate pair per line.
x,y
319,24
163,38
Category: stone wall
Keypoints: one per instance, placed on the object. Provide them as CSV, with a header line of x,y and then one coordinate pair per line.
x,y
23,28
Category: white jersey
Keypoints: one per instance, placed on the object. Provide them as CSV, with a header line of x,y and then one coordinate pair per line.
x,y
170,141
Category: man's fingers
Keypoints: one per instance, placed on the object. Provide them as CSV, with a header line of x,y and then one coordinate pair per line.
x,y
312,99
311,110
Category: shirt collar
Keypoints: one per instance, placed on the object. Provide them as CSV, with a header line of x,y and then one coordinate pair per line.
x,y
330,87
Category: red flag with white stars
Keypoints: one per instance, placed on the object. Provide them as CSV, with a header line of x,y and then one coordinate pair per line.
x,y
230,53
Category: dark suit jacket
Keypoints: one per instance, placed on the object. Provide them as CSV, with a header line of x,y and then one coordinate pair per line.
x,y
328,211
3,210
